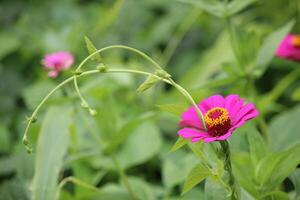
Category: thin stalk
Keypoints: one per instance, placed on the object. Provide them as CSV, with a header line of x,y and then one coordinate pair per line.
x,y
124,177
179,34
298,13
233,41
227,166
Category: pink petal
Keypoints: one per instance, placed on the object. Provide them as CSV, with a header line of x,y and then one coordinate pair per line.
x,y
196,139
226,135
233,103
192,133
250,115
242,112
216,101
287,50
210,139
190,119
53,73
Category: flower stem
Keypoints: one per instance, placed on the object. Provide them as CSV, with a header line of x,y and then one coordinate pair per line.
x,y
124,177
227,166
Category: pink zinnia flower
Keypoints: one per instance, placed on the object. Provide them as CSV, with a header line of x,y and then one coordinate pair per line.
x,y
221,115
57,62
289,48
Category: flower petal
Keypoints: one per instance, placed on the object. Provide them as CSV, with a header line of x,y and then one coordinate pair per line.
x,y
252,114
246,109
190,119
216,101
192,133
226,135
233,103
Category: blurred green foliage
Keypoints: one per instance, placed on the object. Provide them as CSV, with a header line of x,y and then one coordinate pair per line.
x,y
133,131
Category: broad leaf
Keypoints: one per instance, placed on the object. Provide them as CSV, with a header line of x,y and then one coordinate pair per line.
x,y
269,46
256,145
126,130
274,168
284,130
215,190
51,148
140,146
196,176
175,162
295,178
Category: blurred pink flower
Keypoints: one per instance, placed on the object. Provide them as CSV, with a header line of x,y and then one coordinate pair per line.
x,y
221,115
57,62
289,48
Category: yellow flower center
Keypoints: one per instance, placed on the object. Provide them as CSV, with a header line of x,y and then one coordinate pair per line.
x,y
217,121
296,41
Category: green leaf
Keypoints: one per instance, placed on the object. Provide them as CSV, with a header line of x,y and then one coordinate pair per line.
x,y
179,143
126,130
274,168
140,146
277,195
142,189
9,43
214,190
199,74
269,46
283,128
51,148
175,162
92,49
14,190
244,173
296,94
236,6
148,83
213,7
176,109
295,178
34,93
196,176
256,145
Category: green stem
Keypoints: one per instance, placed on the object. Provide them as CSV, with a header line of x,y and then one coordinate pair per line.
x,y
124,177
179,34
233,41
227,166
191,100
156,65
298,13
75,181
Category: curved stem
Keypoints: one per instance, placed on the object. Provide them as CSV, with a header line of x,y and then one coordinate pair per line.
x,y
157,66
120,47
190,98
33,115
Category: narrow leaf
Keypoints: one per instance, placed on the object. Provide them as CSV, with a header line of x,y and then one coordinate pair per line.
x,y
213,7
197,175
51,148
237,6
179,143
92,49
148,83
269,46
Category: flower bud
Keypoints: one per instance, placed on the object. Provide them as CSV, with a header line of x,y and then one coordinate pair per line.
x,y
101,68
